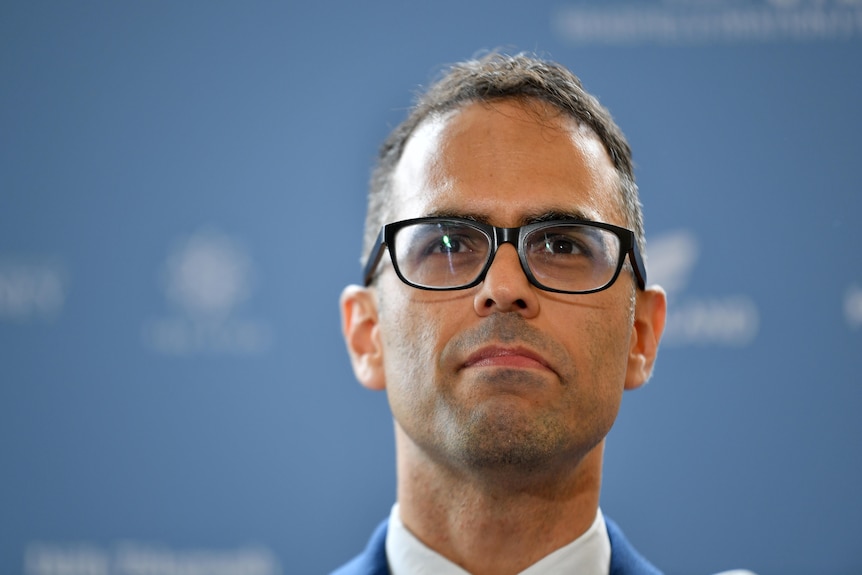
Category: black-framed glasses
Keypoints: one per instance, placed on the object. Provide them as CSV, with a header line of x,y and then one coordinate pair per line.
x,y
565,256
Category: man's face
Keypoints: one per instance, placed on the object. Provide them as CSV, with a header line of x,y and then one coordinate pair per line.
x,y
504,374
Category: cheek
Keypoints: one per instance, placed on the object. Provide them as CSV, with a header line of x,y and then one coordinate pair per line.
x,y
608,334
609,344
415,326
410,334
407,333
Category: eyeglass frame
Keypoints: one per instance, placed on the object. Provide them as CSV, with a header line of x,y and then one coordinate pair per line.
x,y
513,236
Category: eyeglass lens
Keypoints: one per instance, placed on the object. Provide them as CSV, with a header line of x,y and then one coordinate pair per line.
x,y
568,257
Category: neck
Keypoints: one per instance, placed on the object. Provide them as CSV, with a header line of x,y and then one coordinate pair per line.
x,y
499,521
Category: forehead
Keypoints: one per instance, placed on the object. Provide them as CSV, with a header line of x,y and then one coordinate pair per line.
x,y
505,162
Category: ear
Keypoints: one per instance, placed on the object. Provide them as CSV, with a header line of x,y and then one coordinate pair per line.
x,y
361,332
650,314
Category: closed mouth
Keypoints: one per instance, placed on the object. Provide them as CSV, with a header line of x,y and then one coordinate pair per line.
x,y
501,356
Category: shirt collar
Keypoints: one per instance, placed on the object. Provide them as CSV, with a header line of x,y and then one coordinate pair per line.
x,y
589,553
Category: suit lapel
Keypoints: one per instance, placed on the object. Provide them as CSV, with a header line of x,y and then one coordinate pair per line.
x,y
625,560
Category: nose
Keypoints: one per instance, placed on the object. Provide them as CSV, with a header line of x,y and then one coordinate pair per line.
x,y
506,287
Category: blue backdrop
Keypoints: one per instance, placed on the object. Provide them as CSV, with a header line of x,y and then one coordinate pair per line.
x,y
182,190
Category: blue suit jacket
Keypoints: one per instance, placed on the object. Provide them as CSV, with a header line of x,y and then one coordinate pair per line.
x,y
625,560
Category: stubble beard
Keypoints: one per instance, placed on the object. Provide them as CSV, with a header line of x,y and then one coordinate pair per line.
x,y
498,436
503,437
506,435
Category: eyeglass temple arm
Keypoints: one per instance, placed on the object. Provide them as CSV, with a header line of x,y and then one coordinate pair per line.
x,y
638,266
373,259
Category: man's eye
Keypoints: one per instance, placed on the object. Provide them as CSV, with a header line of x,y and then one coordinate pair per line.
x,y
448,244
562,246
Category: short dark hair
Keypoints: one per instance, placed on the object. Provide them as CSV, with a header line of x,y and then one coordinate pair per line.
x,y
497,76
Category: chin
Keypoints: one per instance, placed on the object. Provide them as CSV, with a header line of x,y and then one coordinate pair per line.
x,y
505,437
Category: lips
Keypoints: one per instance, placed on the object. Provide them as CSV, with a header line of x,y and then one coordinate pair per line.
x,y
512,357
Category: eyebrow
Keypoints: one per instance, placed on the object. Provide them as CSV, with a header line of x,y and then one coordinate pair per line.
x,y
555,215
529,218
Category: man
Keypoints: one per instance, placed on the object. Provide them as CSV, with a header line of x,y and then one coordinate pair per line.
x,y
505,309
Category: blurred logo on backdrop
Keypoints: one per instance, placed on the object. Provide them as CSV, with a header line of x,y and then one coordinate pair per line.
x,y
134,558
853,306
726,320
206,278
31,290
699,22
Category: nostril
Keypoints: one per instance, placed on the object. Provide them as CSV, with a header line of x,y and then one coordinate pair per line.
x,y
518,303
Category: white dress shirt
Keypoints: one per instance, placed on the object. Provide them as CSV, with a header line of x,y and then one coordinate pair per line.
x,y
588,554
